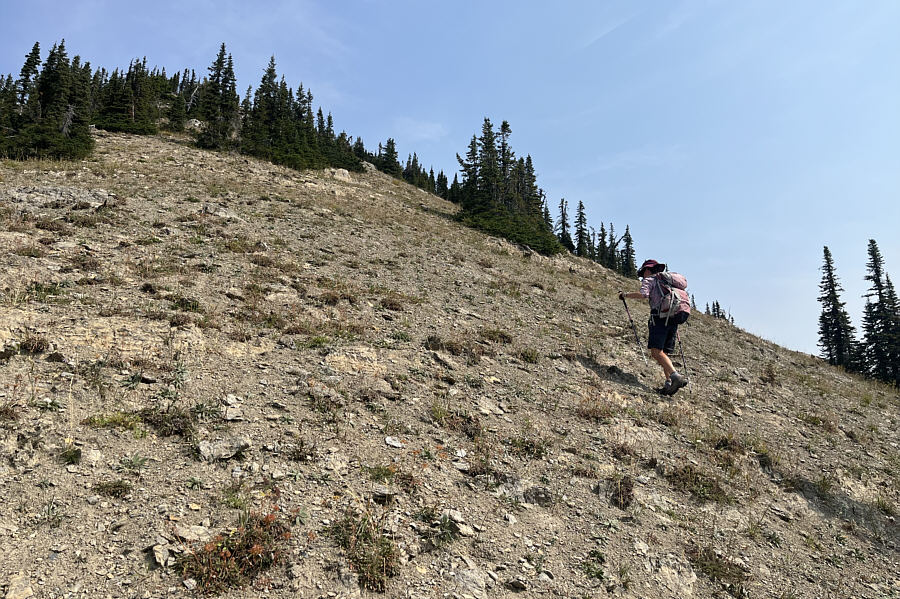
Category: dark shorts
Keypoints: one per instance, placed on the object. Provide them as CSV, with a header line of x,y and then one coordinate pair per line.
x,y
662,335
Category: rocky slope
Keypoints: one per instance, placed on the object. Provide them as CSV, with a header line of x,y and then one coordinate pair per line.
x,y
207,356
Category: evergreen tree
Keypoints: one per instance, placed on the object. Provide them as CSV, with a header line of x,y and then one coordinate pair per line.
x,y
389,163
582,240
836,334
602,249
45,112
562,226
499,195
219,104
627,265
893,334
877,319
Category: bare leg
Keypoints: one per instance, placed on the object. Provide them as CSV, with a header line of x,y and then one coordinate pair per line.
x,y
663,360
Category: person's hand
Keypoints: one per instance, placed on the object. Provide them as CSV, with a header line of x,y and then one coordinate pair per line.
x,y
621,295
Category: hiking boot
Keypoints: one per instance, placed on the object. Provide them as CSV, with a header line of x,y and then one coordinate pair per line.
x,y
666,389
676,382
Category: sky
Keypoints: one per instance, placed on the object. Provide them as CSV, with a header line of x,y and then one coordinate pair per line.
x,y
736,139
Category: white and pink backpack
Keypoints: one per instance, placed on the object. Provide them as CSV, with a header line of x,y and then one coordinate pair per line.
x,y
669,297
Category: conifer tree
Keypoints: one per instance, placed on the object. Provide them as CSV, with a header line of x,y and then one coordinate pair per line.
x,y
389,162
877,319
893,334
562,226
582,241
219,103
602,250
627,265
836,334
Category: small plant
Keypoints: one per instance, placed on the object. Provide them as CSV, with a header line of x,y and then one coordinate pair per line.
x,y
30,251
622,491
496,336
132,464
392,303
717,568
529,442
51,515
317,341
703,487
374,556
194,483
117,420
185,304
401,336
885,506
593,565
8,411
302,452
380,474
234,497
529,355
70,455
170,422
33,344
595,410
116,488
233,560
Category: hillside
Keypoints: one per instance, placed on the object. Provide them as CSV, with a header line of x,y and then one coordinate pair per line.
x,y
190,336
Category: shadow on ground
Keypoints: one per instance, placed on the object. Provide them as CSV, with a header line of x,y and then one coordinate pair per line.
x,y
612,373
864,520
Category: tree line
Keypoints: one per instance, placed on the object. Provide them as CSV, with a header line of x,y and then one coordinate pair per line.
x,y
498,193
48,110
876,353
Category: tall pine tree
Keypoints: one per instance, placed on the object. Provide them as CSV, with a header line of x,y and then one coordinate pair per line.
x,y
836,334
877,319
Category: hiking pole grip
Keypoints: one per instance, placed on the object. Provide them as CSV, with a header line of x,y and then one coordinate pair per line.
x,y
637,339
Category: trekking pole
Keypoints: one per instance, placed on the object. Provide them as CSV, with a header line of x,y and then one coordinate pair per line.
x,y
634,328
684,362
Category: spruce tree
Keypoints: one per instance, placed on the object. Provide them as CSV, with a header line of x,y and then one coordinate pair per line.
x,y
219,104
562,226
627,265
389,162
582,241
836,334
877,319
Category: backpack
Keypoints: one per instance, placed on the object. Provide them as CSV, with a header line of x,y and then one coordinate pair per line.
x,y
671,299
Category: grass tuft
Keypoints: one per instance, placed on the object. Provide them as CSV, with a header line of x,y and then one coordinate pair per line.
x,y
374,556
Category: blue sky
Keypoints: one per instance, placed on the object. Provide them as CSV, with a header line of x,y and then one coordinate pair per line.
x,y
735,138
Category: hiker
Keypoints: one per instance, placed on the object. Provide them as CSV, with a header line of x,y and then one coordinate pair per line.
x,y
669,306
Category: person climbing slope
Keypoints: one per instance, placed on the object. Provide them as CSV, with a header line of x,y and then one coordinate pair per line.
x,y
670,306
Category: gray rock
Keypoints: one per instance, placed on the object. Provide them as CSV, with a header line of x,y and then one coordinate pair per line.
x,y
19,587
161,555
193,533
382,495
517,584
394,442
223,450
471,583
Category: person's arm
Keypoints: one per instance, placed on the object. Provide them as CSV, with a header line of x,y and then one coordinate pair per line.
x,y
644,293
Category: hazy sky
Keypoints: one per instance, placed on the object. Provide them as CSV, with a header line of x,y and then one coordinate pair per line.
x,y
735,138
